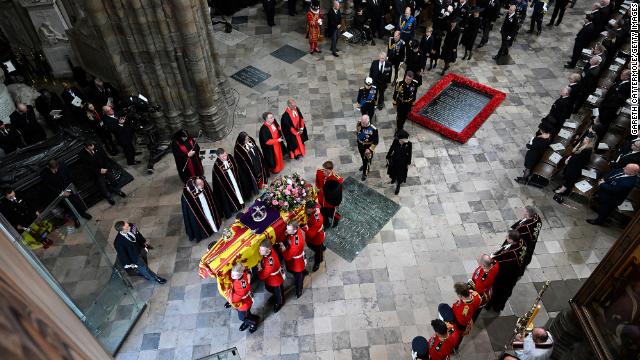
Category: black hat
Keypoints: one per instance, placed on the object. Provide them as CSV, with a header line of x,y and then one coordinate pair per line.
x,y
402,134
420,347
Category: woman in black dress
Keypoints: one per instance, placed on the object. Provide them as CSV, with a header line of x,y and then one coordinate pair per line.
x,y
398,159
537,146
471,33
450,45
434,54
578,159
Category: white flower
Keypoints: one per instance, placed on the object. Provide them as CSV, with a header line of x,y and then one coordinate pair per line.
x,y
289,182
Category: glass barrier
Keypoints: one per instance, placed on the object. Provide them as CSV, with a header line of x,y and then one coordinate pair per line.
x,y
69,253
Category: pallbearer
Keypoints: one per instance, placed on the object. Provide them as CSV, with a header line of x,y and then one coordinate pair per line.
x,y
314,233
241,298
443,343
329,186
294,256
270,271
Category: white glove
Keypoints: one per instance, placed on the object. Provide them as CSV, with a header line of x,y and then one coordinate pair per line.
x,y
544,7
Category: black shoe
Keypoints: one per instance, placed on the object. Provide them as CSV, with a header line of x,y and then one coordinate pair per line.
x,y
595,222
110,201
380,106
122,194
558,24
335,54
397,190
569,66
538,32
277,308
481,45
361,168
253,329
227,305
550,24
559,199
373,43
298,294
316,266
530,32
364,178
160,280
86,216
495,57
244,326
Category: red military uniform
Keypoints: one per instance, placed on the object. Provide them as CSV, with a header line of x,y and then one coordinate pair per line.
x,y
440,349
464,310
482,281
320,180
313,230
241,293
270,270
294,254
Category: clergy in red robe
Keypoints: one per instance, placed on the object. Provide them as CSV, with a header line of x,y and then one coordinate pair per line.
x,y
329,186
226,183
186,152
272,143
251,167
294,255
199,210
294,130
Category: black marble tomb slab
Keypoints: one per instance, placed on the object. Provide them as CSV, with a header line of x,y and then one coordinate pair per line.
x,y
288,54
250,76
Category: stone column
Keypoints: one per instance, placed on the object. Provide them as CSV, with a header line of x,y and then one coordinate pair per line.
x,y
51,26
164,50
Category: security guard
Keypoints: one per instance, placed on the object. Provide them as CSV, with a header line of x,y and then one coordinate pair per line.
x,y
403,98
367,98
367,142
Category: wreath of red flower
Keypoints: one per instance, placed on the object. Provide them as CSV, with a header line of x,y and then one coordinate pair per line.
x,y
496,98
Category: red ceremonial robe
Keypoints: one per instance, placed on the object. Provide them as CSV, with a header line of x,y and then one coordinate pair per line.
x,y
272,149
223,185
294,254
294,131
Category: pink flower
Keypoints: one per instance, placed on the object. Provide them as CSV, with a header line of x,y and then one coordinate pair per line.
x,y
275,202
289,187
282,203
287,192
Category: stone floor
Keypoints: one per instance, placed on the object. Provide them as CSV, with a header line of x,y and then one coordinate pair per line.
x,y
459,201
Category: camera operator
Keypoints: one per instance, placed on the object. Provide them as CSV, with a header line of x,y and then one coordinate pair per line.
x,y
123,131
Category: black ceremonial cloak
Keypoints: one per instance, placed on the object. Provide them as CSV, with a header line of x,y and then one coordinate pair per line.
x,y
251,168
223,186
195,221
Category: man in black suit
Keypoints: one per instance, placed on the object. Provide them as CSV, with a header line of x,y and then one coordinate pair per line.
x,y
603,14
583,39
270,11
17,211
334,24
56,177
508,32
375,9
589,81
574,86
631,157
558,11
102,167
489,16
102,94
74,99
380,72
24,120
10,139
613,189
615,98
123,133
131,248
45,103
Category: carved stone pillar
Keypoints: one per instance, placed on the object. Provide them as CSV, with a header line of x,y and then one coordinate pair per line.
x,y
51,25
164,50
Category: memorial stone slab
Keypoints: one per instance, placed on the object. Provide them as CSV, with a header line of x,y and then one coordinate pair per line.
x,y
455,106
364,212
250,76
288,54
237,20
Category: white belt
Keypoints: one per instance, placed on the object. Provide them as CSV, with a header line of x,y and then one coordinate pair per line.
x,y
246,296
299,256
275,273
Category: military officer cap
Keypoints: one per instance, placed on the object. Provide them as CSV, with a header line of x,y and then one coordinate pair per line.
x,y
419,348
368,81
